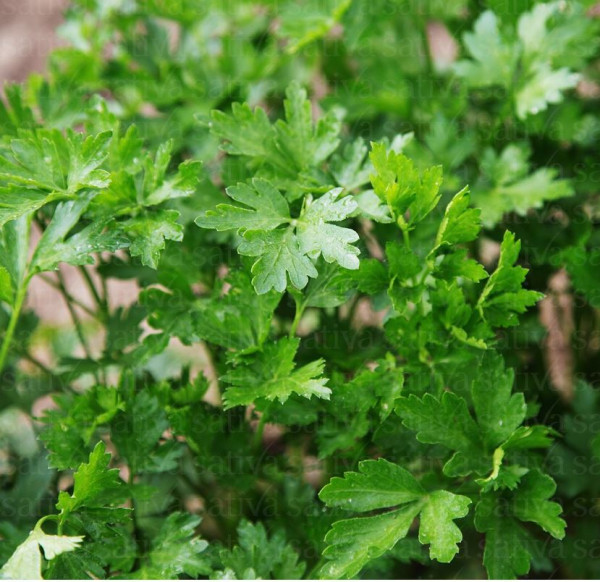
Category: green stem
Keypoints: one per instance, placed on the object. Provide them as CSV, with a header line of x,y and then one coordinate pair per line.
x,y
14,317
36,362
297,317
404,228
101,301
138,534
42,520
260,429
425,45
105,293
70,297
352,310
76,321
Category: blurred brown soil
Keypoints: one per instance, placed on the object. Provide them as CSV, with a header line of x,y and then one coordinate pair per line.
x,y
27,35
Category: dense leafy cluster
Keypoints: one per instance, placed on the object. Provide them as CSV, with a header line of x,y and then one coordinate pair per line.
x,y
377,385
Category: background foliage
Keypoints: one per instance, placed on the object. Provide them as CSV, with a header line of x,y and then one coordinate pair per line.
x,y
378,388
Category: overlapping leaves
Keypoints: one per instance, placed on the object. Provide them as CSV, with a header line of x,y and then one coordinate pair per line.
x,y
382,485
286,253
524,61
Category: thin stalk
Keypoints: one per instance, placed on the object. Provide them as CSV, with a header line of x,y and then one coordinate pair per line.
x,y
105,292
137,531
70,297
75,318
352,309
426,47
260,429
404,228
37,363
14,317
300,306
101,301
406,238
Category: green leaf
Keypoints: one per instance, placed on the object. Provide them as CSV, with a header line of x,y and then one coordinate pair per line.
x,y
147,234
492,58
141,180
507,185
532,27
359,406
380,484
287,151
582,265
72,424
136,433
349,168
95,484
14,251
22,202
530,503
301,142
26,561
370,206
502,299
530,437
56,246
286,252
507,552
331,288
82,564
49,161
265,209
460,223
249,133
523,63
456,264
280,257
316,237
234,317
395,179
403,263
41,167
304,24
175,550
499,412
508,546
544,86
159,188
240,319
446,422
397,182
437,526
272,374
352,543
561,36
78,248
16,114
428,194
265,557
371,277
